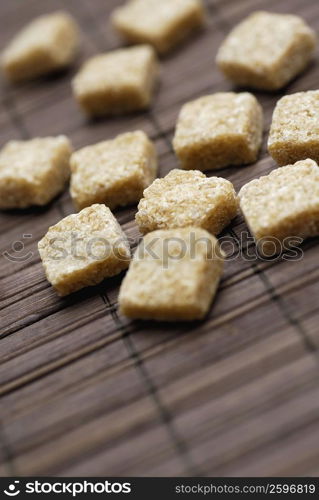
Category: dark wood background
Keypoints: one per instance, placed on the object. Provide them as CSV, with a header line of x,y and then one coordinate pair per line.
x,y
86,392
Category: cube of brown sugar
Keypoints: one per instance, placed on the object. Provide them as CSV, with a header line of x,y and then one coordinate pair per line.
x,y
33,172
294,132
117,82
282,206
49,43
266,50
113,172
218,130
174,275
83,249
187,199
163,23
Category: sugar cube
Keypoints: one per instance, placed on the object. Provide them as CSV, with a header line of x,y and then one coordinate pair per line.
x,y
187,199
117,82
33,172
294,132
174,275
282,206
267,50
47,44
113,172
163,23
218,130
83,249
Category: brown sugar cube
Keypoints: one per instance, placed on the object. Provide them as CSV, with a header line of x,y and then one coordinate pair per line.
x,y
294,132
47,44
187,199
282,206
266,50
174,275
117,82
163,24
33,172
114,172
83,249
219,130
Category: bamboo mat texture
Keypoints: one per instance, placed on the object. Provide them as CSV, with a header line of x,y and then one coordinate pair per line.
x,y
84,391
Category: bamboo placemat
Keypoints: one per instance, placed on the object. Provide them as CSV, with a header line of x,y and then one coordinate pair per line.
x,y
86,392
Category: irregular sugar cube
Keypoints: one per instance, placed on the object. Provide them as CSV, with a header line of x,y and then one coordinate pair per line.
x,y
282,205
163,23
266,50
49,43
117,82
294,132
187,199
83,249
33,172
218,130
174,275
113,172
